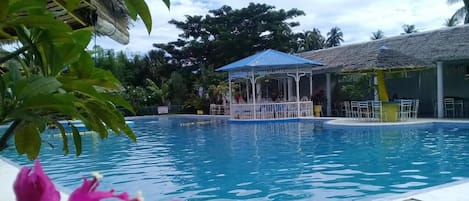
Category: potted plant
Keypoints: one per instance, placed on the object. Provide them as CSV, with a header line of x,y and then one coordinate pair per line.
x,y
199,104
318,99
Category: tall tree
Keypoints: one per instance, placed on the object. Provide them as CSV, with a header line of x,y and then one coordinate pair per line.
x,y
334,37
409,28
225,35
310,40
377,35
461,13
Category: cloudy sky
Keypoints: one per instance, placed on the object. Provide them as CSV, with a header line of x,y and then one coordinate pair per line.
x,y
357,18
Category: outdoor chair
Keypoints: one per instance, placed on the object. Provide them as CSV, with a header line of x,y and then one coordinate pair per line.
x,y
405,109
363,110
354,111
346,109
377,110
449,107
415,109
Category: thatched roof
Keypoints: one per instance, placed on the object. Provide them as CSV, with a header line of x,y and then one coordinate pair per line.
x,y
447,44
386,59
108,17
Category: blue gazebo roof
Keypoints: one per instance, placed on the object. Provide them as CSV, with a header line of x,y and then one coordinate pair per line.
x,y
269,59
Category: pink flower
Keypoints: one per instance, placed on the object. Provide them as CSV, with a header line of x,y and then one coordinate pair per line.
x,y
87,192
32,184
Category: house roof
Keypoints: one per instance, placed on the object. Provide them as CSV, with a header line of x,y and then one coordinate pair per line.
x,y
446,44
387,59
269,59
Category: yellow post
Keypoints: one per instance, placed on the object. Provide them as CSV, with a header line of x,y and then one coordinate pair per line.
x,y
383,94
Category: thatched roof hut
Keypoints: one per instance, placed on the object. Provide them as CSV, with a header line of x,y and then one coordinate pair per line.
x,y
447,44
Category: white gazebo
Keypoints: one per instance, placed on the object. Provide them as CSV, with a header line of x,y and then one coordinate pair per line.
x,y
253,101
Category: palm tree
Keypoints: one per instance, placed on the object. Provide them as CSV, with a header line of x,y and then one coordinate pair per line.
x,y
408,29
310,40
377,35
334,37
451,22
461,13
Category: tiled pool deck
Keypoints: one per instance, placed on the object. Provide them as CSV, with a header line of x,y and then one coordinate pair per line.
x,y
455,191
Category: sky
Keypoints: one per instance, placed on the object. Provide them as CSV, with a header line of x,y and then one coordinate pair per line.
x,y
356,18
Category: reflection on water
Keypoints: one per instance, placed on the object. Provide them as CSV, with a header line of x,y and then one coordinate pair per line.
x,y
182,158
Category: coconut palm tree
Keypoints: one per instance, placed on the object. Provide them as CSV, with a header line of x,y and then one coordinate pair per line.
x,y
451,22
408,29
377,35
461,13
310,40
334,37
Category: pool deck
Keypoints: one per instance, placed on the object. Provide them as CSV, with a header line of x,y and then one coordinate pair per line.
x,y
453,191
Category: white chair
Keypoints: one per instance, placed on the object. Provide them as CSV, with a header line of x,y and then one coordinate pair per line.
x,y
405,109
459,107
363,110
354,111
415,109
377,111
346,107
449,107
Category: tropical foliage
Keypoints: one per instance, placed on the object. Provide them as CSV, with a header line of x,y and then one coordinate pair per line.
x,y
377,35
334,37
462,13
50,77
409,28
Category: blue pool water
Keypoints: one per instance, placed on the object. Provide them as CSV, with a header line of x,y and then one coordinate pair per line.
x,y
193,159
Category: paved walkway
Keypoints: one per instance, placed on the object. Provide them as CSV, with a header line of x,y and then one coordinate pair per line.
x,y
455,191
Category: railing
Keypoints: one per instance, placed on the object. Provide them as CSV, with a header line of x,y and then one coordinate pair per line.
x,y
219,109
271,110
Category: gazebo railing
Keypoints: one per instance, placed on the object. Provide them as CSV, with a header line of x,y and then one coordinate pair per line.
x,y
272,110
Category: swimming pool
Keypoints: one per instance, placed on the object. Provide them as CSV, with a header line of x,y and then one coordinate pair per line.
x,y
203,159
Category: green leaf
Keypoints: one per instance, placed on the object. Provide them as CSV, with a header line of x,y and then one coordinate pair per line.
x,y
64,136
27,140
41,21
118,100
73,85
70,53
72,4
167,3
82,37
21,5
4,9
40,85
62,103
76,139
140,7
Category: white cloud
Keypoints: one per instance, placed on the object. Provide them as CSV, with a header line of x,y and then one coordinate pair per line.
x,y
356,18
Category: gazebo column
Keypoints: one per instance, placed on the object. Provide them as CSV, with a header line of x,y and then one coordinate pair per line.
x,y
310,86
258,91
247,91
253,85
297,80
290,89
230,92
328,94
285,95
439,88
